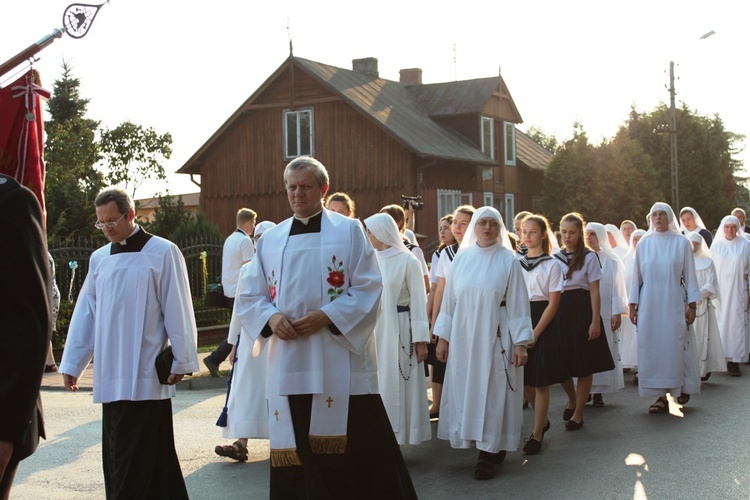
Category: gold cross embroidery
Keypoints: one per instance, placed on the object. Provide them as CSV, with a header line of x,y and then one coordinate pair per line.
x,y
276,414
329,401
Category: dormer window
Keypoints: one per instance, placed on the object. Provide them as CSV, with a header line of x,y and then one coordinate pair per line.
x,y
488,137
510,143
298,133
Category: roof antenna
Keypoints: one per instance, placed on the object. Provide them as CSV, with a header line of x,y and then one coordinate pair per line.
x,y
455,70
289,35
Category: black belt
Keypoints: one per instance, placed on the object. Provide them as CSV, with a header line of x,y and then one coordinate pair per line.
x,y
402,309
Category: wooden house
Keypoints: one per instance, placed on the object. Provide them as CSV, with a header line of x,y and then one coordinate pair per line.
x,y
450,143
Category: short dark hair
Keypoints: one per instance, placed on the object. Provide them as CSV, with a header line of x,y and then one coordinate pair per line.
x,y
121,198
308,162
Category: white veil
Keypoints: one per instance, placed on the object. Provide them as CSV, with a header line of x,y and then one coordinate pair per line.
x,y
384,228
729,219
672,228
470,237
601,234
698,220
617,235
702,256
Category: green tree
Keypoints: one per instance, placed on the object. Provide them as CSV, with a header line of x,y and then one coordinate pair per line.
x,y
567,180
624,184
133,154
70,154
709,174
170,215
549,142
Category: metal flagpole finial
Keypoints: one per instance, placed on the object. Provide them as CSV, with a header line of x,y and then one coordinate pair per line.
x,y
78,18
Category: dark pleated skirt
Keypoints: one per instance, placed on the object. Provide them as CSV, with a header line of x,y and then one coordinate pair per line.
x,y
582,357
545,365
372,467
438,367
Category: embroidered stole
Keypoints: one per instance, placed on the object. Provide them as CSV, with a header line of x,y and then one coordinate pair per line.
x,y
330,402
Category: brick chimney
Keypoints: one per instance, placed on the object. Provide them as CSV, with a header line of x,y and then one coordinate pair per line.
x,y
367,65
411,76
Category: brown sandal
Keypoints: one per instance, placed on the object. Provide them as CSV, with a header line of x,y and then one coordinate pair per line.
x,y
660,406
236,451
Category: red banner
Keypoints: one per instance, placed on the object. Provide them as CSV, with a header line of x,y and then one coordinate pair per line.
x,y
22,133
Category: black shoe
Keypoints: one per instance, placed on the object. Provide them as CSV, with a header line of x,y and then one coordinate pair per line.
x,y
212,366
706,377
598,400
572,425
568,414
733,369
532,446
546,428
50,368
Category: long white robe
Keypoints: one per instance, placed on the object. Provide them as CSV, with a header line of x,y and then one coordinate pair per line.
x,y
401,379
131,305
667,355
482,392
247,407
732,260
628,332
334,271
614,301
708,341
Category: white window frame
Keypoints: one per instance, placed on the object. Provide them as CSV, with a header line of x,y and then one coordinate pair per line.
x,y
489,199
483,123
510,210
448,200
467,199
509,146
298,146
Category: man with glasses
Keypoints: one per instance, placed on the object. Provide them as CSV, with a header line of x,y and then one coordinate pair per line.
x,y
135,301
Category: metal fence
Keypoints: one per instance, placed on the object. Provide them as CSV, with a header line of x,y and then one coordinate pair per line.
x,y
72,266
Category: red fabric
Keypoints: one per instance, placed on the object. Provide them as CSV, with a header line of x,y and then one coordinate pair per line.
x,y
21,139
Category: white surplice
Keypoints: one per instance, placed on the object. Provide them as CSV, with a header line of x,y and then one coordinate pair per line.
x,y
400,378
614,301
482,392
628,332
706,327
247,406
732,260
130,305
667,355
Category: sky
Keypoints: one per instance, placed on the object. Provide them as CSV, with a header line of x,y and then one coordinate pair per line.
x,y
184,67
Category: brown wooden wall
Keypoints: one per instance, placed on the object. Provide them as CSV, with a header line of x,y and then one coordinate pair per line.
x,y
244,168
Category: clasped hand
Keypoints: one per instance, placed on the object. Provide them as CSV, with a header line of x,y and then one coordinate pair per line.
x,y
287,328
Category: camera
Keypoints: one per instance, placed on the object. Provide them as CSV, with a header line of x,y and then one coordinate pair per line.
x,y
414,202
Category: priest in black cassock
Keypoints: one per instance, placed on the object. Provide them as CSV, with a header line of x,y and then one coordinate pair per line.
x,y
25,326
135,301
311,297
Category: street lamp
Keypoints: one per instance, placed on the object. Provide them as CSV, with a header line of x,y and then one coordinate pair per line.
x,y
673,133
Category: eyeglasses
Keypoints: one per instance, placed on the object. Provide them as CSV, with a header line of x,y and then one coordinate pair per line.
x,y
110,225
488,222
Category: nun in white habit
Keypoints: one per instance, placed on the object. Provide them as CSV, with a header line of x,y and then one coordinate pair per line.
x,y
731,253
690,222
484,326
620,248
629,343
401,333
614,303
663,298
706,327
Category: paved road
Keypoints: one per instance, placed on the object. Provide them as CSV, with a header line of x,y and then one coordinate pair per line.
x,y
622,452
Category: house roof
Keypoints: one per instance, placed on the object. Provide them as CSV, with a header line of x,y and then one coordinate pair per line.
x,y
393,107
460,97
531,153
403,111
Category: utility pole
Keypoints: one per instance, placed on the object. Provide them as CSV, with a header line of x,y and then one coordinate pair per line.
x,y
673,141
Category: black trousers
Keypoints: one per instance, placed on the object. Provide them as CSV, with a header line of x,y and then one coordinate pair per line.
x,y
223,350
138,451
